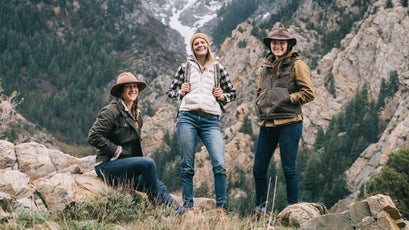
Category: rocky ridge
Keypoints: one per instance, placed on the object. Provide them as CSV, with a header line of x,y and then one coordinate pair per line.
x,y
376,46
35,177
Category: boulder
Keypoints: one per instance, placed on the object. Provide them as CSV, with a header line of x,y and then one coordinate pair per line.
x,y
375,212
297,214
7,155
39,178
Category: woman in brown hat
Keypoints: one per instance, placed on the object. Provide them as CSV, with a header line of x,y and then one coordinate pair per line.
x,y
116,135
283,86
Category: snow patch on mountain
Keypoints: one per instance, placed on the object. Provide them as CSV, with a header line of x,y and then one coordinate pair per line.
x,y
185,16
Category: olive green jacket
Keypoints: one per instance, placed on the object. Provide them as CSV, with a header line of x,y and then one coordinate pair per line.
x,y
114,127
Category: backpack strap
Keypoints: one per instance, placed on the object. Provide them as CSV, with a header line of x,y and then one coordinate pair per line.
x,y
186,78
217,81
186,74
217,75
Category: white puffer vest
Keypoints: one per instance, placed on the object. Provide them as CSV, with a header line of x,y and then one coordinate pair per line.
x,y
201,92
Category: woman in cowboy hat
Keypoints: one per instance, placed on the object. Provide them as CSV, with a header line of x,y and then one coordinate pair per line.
x,y
116,134
283,86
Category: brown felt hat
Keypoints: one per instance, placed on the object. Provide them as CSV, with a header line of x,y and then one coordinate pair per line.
x,y
279,34
126,78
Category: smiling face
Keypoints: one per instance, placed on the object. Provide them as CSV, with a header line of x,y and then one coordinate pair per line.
x,y
279,47
200,47
130,93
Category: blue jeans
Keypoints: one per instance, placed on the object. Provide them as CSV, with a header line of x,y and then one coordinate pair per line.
x,y
140,174
288,138
207,128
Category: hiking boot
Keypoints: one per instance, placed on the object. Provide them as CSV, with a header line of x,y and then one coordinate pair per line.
x,y
260,209
260,212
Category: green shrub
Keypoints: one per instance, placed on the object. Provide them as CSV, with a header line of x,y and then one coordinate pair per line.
x,y
242,44
246,127
393,181
28,218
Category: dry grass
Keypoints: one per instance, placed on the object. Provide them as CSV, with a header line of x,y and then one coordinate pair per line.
x,y
118,211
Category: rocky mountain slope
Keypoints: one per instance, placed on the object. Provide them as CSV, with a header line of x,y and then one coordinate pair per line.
x,y
370,51
14,124
366,56
375,46
41,179
185,16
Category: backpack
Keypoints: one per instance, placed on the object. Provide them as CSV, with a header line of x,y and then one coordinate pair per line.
x,y
186,77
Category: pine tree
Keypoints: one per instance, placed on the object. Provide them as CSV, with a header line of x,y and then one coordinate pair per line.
x,y
393,82
312,176
246,127
393,180
320,139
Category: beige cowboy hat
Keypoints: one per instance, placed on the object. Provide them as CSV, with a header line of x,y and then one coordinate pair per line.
x,y
126,78
279,34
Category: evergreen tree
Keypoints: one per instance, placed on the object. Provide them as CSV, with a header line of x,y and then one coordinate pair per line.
x,y
383,93
393,180
394,82
389,4
348,134
371,124
73,66
330,84
167,159
311,177
230,15
388,88
246,127
320,139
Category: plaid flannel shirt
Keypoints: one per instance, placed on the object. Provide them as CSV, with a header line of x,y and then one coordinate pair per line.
x,y
225,84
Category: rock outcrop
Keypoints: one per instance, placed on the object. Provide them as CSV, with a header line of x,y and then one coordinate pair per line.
x,y
36,177
39,178
297,214
369,55
375,212
375,46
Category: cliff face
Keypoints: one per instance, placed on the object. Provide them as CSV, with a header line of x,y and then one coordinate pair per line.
x,y
14,125
367,56
375,46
